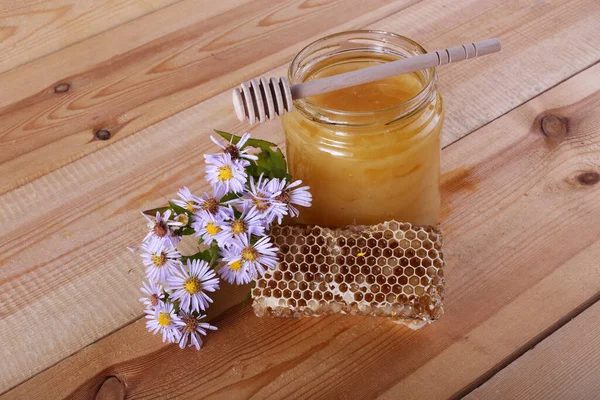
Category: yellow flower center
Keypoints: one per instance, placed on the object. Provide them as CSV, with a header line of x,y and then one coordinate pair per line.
x,y
212,229
249,254
236,265
190,206
225,173
159,259
192,285
260,205
238,226
164,319
182,218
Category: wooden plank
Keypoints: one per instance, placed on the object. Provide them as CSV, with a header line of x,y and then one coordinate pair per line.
x,y
142,72
126,85
30,29
513,270
566,365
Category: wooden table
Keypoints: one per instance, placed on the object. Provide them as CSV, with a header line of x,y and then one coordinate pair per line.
x,y
106,108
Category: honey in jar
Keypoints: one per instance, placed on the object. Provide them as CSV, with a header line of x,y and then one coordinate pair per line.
x,y
370,153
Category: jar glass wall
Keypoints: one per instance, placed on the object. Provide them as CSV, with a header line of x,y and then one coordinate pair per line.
x,y
369,153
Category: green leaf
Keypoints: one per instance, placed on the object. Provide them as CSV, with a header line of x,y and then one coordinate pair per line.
x,y
215,254
259,144
152,212
201,255
271,161
186,230
229,196
178,209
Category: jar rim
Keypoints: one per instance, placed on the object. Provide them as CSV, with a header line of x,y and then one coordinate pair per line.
x,y
407,107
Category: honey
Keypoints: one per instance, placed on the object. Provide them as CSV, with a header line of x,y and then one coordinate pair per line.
x,y
370,153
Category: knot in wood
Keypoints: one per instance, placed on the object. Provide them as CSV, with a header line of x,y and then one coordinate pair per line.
x,y
554,127
111,388
62,88
103,134
588,178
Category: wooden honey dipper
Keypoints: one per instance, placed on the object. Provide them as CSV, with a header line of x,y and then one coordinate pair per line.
x,y
259,99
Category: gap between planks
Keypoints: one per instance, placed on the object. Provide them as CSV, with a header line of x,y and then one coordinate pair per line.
x,y
527,347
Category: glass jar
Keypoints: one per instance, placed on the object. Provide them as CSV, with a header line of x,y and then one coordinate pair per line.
x,y
369,153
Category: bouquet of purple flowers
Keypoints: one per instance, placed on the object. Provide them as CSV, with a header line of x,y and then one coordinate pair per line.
x,y
250,192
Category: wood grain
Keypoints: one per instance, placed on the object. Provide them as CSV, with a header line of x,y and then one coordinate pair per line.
x,y
188,57
512,203
30,29
137,74
563,366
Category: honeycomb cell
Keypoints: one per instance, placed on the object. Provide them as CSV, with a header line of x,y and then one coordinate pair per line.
x,y
422,235
390,269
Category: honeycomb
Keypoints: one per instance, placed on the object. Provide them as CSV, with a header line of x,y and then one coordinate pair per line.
x,y
392,270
